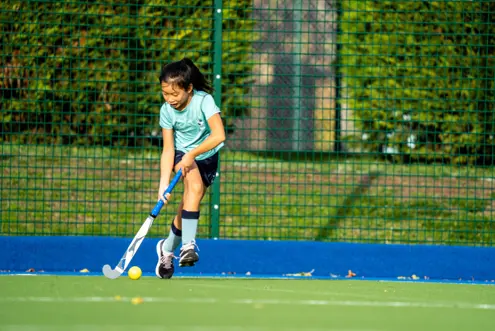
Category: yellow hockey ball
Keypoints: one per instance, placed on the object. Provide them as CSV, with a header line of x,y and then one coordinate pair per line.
x,y
135,273
137,301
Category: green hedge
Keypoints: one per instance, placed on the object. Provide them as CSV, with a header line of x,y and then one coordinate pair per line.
x,y
420,77
86,73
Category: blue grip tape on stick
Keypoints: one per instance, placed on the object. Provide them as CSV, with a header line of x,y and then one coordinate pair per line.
x,y
160,203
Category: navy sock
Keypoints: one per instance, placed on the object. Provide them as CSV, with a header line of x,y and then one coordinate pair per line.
x,y
173,240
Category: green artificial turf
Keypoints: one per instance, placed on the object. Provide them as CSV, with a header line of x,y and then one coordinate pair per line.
x,y
97,303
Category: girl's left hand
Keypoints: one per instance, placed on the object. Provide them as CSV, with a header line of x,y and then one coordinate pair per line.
x,y
186,163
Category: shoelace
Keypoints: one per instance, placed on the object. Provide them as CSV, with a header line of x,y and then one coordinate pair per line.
x,y
190,245
166,260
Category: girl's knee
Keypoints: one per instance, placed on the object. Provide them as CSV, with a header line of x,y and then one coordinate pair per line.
x,y
194,186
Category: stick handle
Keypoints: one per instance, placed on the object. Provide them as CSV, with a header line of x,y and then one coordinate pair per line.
x,y
159,204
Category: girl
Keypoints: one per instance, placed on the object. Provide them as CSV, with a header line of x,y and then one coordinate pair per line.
x,y
193,133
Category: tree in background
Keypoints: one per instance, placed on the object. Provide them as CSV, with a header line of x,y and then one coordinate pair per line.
x,y
86,73
419,78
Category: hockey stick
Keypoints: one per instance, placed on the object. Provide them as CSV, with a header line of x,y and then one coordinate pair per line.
x,y
139,237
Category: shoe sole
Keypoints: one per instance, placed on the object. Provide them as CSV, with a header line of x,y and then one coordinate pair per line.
x,y
187,264
189,261
159,253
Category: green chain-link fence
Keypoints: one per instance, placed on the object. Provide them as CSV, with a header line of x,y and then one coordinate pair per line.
x,y
355,121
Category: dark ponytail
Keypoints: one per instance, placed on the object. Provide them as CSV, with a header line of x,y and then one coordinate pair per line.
x,y
183,73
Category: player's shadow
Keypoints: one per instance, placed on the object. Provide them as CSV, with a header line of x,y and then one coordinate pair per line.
x,y
357,193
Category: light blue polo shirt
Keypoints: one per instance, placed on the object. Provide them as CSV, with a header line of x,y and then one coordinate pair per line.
x,y
190,125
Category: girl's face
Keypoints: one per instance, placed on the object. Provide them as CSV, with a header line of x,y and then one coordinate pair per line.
x,y
176,96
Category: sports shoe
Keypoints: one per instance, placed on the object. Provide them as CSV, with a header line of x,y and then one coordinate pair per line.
x,y
188,255
165,265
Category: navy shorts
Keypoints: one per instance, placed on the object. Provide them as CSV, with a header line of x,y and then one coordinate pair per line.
x,y
207,167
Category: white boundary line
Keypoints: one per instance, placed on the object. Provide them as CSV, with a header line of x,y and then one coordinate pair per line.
x,y
260,302
162,327
268,289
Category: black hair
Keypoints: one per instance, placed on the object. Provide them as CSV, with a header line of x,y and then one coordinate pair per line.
x,y
183,73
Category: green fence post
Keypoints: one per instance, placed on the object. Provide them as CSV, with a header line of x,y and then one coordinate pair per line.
x,y
297,79
338,147
217,86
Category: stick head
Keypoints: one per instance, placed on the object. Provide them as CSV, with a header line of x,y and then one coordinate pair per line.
x,y
111,273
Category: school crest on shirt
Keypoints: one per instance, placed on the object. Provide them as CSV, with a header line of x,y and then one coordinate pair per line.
x,y
201,123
